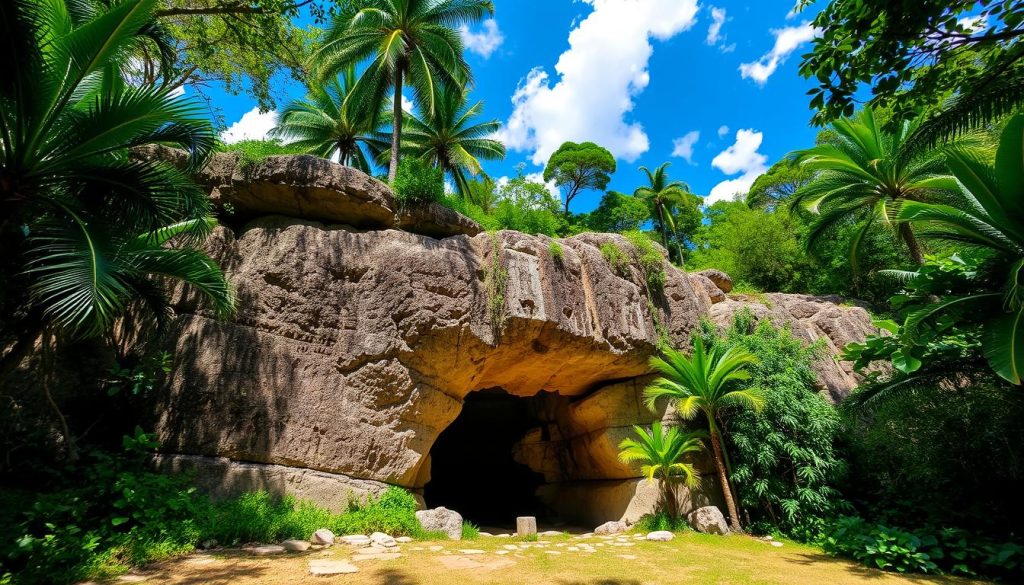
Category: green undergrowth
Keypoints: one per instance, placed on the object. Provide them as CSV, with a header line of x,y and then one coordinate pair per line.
x,y
470,531
660,521
253,152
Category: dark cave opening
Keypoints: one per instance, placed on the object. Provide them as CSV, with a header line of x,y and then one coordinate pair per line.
x,y
472,468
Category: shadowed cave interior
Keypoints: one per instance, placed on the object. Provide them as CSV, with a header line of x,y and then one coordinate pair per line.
x,y
472,465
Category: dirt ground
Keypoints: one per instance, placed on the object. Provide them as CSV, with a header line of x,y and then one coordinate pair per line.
x,y
562,560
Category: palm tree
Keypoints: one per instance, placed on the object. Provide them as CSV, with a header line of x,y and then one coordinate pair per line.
x,y
450,140
404,40
705,383
661,453
328,124
862,171
88,231
662,194
989,216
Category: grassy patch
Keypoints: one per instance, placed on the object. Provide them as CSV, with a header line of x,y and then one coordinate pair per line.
x,y
616,258
556,252
253,152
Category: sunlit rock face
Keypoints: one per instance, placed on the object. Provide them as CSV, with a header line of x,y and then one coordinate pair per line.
x,y
353,348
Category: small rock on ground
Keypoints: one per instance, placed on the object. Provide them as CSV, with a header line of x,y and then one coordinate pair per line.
x,y
326,568
322,536
550,533
403,539
382,539
264,550
660,536
776,543
471,551
612,527
355,540
376,557
296,545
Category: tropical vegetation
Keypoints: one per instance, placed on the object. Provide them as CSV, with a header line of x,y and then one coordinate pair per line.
x,y
661,453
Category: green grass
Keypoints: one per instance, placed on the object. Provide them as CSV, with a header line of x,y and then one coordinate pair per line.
x,y
252,152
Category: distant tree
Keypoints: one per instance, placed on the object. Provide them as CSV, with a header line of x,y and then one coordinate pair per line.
x,y
917,53
414,41
863,171
778,185
483,193
328,124
662,195
617,213
661,453
575,167
527,206
451,139
706,383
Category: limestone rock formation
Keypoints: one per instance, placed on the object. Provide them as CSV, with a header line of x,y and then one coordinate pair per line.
x,y
354,344
708,519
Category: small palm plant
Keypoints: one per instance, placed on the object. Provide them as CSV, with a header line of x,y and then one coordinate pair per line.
x,y
705,383
662,195
661,453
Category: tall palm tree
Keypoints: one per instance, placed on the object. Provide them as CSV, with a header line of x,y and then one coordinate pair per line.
x,y
87,231
863,171
327,123
705,383
449,139
661,453
403,40
662,194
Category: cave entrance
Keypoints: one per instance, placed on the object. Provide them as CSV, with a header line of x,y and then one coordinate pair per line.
x,y
472,467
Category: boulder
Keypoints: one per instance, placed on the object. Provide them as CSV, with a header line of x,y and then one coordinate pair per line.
x,y
323,537
722,280
660,536
708,520
441,520
611,527
296,545
714,293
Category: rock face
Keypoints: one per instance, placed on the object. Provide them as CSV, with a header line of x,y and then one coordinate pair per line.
x,y
354,345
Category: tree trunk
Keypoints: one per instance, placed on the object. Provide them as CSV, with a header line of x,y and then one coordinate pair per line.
x,y
671,508
907,233
734,517
664,227
396,132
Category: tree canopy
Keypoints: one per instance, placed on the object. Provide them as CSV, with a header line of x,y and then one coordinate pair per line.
x,y
576,167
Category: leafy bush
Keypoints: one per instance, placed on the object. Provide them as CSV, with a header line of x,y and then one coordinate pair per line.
x,y
660,521
108,514
470,531
556,252
521,205
616,258
253,152
785,459
418,183
924,551
652,263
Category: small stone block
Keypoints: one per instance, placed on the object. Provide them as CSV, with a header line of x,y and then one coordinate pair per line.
x,y
526,526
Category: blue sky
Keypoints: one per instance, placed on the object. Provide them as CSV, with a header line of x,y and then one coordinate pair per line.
x,y
710,86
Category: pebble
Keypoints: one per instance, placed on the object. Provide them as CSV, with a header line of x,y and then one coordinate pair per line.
x,y
776,543
403,539
296,545
326,568
550,533
660,536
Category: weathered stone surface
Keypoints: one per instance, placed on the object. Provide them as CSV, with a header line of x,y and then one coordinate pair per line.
x,y
714,293
296,545
526,526
709,520
322,536
263,550
356,540
223,478
720,279
660,536
441,519
811,318
611,527
325,568
381,539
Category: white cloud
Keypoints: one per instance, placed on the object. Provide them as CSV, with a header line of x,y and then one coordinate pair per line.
x,y
683,147
715,30
787,40
722,131
254,125
485,42
741,158
595,81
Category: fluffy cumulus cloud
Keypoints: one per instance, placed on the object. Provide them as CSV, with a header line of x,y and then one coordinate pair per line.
x,y
683,146
787,40
741,158
717,20
254,125
484,42
592,91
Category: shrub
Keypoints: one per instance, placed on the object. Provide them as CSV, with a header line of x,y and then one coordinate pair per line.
x,y
785,459
660,521
924,551
556,252
253,152
417,183
652,264
616,258
470,531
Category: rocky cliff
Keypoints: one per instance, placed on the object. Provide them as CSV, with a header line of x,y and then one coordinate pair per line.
x,y
356,344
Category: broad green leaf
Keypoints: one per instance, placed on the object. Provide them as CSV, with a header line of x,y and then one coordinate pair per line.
x,y
1003,344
